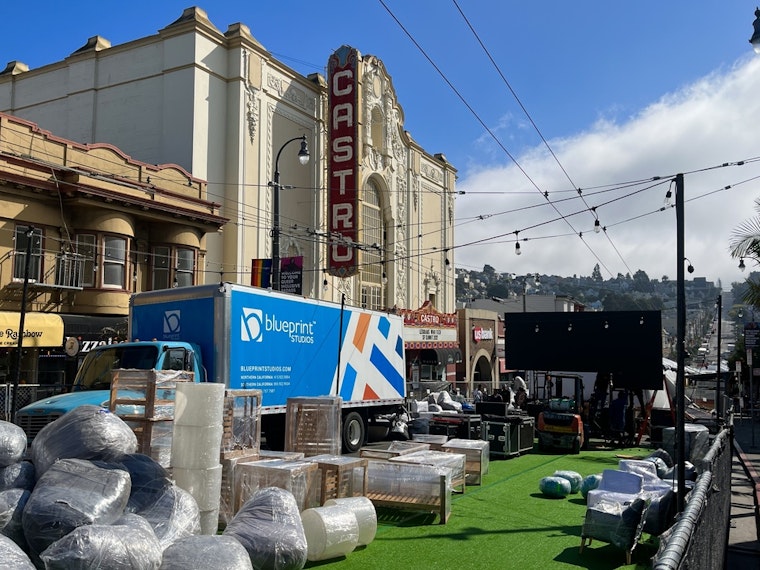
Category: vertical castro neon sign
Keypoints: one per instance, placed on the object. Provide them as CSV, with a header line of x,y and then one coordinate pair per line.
x,y
343,163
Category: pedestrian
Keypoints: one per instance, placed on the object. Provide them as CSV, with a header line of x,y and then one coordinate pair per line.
x,y
477,395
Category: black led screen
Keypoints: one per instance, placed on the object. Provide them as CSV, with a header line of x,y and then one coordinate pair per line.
x,y
627,344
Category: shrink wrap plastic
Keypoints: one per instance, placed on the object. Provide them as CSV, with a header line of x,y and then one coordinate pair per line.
x,y
127,543
199,404
269,526
364,511
12,556
86,432
72,493
12,502
19,475
216,551
12,443
331,532
173,515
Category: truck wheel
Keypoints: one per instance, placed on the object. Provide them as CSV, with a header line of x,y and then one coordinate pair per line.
x,y
353,432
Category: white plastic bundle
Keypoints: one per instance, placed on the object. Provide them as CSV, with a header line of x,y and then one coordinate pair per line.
x,y
127,543
366,516
331,532
12,443
199,551
86,432
269,527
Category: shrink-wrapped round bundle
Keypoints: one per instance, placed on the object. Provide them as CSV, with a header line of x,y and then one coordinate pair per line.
x,y
12,556
204,485
127,543
86,432
149,480
12,502
574,477
12,443
590,482
364,511
331,532
19,475
198,551
556,487
173,515
199,403
269,527
196,447
72,493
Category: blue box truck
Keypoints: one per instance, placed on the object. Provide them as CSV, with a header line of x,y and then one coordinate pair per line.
x,y
247,337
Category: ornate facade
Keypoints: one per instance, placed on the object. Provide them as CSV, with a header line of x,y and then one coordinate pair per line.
x,y
220,106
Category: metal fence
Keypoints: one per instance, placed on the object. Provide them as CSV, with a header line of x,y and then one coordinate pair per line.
x,y
27,393
699,538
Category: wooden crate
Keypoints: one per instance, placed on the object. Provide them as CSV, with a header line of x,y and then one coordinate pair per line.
x,y
312,425
242,422
409,486
454,462
342,476
299,477
144,399
477,454
392,449
228,503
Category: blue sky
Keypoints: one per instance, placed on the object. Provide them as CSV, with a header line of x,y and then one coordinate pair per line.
x,y
619,91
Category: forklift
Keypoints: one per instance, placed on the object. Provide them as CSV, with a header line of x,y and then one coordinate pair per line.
x,y
560,424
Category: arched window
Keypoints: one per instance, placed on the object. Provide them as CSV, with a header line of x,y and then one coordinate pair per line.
x,y
373,256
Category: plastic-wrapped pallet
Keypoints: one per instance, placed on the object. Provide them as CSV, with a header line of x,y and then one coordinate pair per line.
x,y
72,493
127,543
12,443
202,551
86,432
269,527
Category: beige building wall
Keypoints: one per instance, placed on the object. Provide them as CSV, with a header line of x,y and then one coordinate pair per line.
x,y
220,106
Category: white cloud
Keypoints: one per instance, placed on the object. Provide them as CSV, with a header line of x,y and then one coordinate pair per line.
x,y
704,125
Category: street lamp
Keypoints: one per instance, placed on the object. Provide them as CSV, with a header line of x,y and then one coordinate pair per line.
x,y
303,158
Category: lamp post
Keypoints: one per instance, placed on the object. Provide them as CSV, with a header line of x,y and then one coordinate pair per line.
x,y
681,346
303,158
22,315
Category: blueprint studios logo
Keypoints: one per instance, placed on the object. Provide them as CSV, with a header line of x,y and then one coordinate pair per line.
x,y
250,325
171,322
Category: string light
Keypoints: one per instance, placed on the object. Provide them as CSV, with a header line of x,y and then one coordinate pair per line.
x,y
742,267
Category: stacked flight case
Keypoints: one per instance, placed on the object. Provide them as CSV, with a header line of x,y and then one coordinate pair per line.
x,y
508,432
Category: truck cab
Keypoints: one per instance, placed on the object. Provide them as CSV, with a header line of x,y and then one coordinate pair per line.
x,y
92,384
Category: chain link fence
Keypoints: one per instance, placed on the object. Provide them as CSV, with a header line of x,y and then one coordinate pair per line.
x,y
699,538
27,393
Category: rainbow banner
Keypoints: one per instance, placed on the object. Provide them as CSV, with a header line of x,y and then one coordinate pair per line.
x,y
261,273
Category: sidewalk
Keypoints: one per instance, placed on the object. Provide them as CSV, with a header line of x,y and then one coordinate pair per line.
x,y
743,545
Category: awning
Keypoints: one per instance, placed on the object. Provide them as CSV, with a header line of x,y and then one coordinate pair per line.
x,y
40,329
440,356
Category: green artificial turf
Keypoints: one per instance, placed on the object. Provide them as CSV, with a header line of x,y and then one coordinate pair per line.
x,y
505,522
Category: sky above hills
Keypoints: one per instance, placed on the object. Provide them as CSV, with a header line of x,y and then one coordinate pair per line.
x,y
554,113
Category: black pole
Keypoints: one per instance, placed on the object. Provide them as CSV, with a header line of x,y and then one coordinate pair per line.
x,y
680,450
21,319
340,342
718,397
276,210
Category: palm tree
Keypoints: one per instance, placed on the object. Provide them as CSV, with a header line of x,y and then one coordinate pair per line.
x,y
745,244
